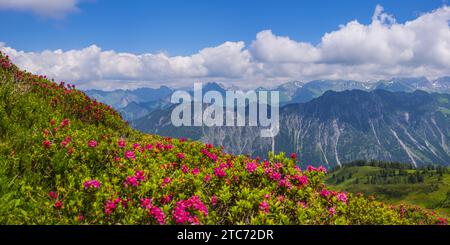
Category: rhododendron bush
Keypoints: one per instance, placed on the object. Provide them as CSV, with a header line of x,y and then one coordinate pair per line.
x,y
67,159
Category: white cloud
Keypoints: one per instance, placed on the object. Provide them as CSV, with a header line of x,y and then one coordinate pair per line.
x,y
379,50
275,49
47,8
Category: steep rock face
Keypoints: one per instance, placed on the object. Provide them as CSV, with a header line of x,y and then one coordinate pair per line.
x,y
339,127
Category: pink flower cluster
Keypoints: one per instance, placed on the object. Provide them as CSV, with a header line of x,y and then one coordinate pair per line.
x,y
111,205
342,197
314,169
153,210
325,193
302,180
65,123
214,200
135,180
92,143
166,181
47,143
210,155
285,182
94,184
53,194
220,172
264,206
121,142
195,171
332,211
251,167
182,211
180,155
66,141
130,155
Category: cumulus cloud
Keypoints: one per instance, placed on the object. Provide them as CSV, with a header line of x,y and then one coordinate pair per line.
x,y
228,60
379,50
47,8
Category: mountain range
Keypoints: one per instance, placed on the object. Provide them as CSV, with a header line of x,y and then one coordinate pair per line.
x,y
327,122
133,104
338,127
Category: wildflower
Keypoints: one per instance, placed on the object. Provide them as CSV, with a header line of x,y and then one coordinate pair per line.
x,y
210,155
146,202
342,197
130,155
110,206
181,213
303,180
285,183
131,181
302,204
95,184
182,139
251,167
267,196
166,181
166,199
278,165
148,146
264,206
58,204
65,122
47,143
214,200
281,198
275,176
80,217
53,194
319,169
158,214
322,169
332,211
121,142
185,169
219,172
325,193
139,175
168,147
294,156
207,178
92,143
442,221
195,171
180,155
70,151
159,146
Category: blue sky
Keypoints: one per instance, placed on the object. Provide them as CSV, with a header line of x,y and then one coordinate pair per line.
x,y
109,44
184,27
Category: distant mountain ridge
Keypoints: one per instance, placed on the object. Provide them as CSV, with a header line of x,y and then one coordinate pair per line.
x,y
148,99
339,127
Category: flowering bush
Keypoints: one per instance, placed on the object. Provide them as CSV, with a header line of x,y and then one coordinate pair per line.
x,y
67,159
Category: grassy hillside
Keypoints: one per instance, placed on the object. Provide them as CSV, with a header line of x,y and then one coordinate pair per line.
x,y
66,159
394,183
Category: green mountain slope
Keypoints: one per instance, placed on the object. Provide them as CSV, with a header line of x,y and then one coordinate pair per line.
x,y
67,159
428,187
